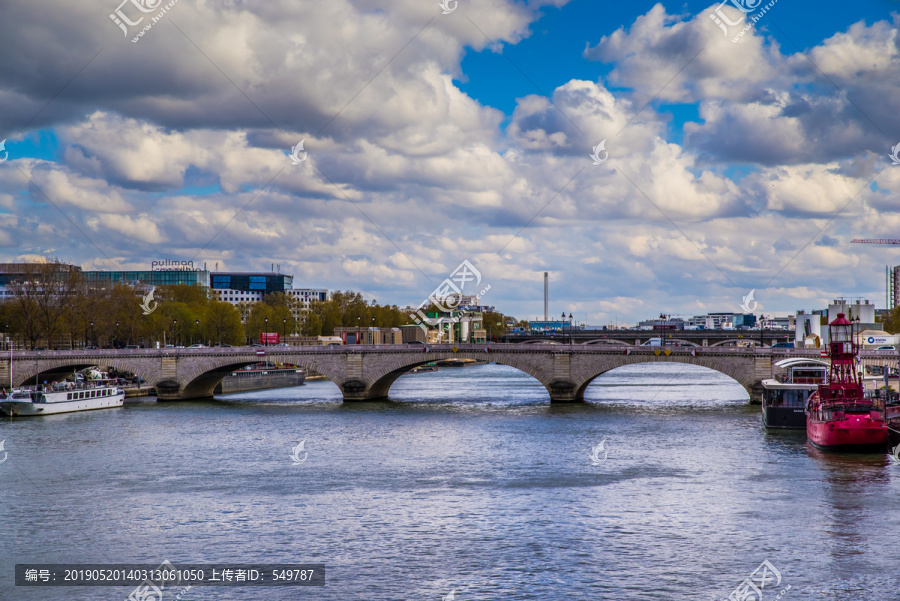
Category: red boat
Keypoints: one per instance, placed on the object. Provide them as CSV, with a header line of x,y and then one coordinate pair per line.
x,y
841,415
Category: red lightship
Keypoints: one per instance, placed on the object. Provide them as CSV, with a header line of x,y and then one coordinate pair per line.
x,y
840,415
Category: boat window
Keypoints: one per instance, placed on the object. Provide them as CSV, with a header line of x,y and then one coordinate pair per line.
x,y
68,396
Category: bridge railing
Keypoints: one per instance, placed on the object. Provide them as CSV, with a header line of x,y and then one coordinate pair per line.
x,y
576,348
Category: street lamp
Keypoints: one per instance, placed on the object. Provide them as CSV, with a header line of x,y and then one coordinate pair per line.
x,y
175,330
92,333
116,333
197,323
571,334
283,327
266,333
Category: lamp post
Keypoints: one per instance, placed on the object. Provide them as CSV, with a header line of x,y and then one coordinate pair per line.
x,y
175,330
199,339
283,327
358,328
116,334
266,333
571,334
92,333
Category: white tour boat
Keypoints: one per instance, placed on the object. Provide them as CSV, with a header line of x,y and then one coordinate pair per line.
x,y
62,397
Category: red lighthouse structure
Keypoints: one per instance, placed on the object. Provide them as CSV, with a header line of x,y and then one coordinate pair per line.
x,y
840,416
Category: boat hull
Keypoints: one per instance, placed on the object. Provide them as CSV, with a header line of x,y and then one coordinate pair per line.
x,y
791,418
783,404
29,409
856,432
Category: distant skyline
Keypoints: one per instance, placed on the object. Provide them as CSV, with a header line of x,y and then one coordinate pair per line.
x,y
732,165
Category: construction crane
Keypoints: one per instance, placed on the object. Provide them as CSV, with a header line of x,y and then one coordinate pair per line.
x,y
875,241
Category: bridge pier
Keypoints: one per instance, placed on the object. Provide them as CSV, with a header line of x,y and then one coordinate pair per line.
x,y
355,391
756,393
562,391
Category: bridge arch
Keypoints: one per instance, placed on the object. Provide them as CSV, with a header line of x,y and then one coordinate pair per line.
x,y
200,380
26,371
608,341
589,373
660,377
404,363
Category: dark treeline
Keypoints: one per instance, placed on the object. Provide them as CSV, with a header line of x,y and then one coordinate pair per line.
x,y
53,306
350,309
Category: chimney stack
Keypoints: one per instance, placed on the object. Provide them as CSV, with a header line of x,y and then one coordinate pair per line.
x,y
546,296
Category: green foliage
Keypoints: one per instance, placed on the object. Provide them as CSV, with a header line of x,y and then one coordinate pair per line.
x,y
350,309
891,321
65,312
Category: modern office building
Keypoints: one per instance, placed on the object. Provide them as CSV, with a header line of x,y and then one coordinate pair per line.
x,y
242,288
251,287
711,321
306,296
892,286
238,287
741,321
11,273
663,323
148,278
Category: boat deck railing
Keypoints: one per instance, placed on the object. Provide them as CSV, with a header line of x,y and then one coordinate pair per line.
x,y
807,381
68,386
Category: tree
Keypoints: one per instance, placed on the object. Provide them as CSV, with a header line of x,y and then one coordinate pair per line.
x,y
43,296
312,325
891,321
221,323
283,308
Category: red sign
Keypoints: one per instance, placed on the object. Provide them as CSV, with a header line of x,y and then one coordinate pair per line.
x,y
269,338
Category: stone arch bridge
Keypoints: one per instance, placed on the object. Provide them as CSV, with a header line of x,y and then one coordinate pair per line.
x,y
367,372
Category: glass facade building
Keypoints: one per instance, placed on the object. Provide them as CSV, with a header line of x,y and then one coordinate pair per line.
x,y
148,278
264,283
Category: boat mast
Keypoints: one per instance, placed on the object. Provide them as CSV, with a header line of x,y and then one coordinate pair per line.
x,y
843,350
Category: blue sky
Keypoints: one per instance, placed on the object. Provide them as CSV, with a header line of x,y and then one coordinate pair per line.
x,y
552,54
752,168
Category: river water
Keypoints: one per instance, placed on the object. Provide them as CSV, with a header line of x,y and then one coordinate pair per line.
x,y
467,482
